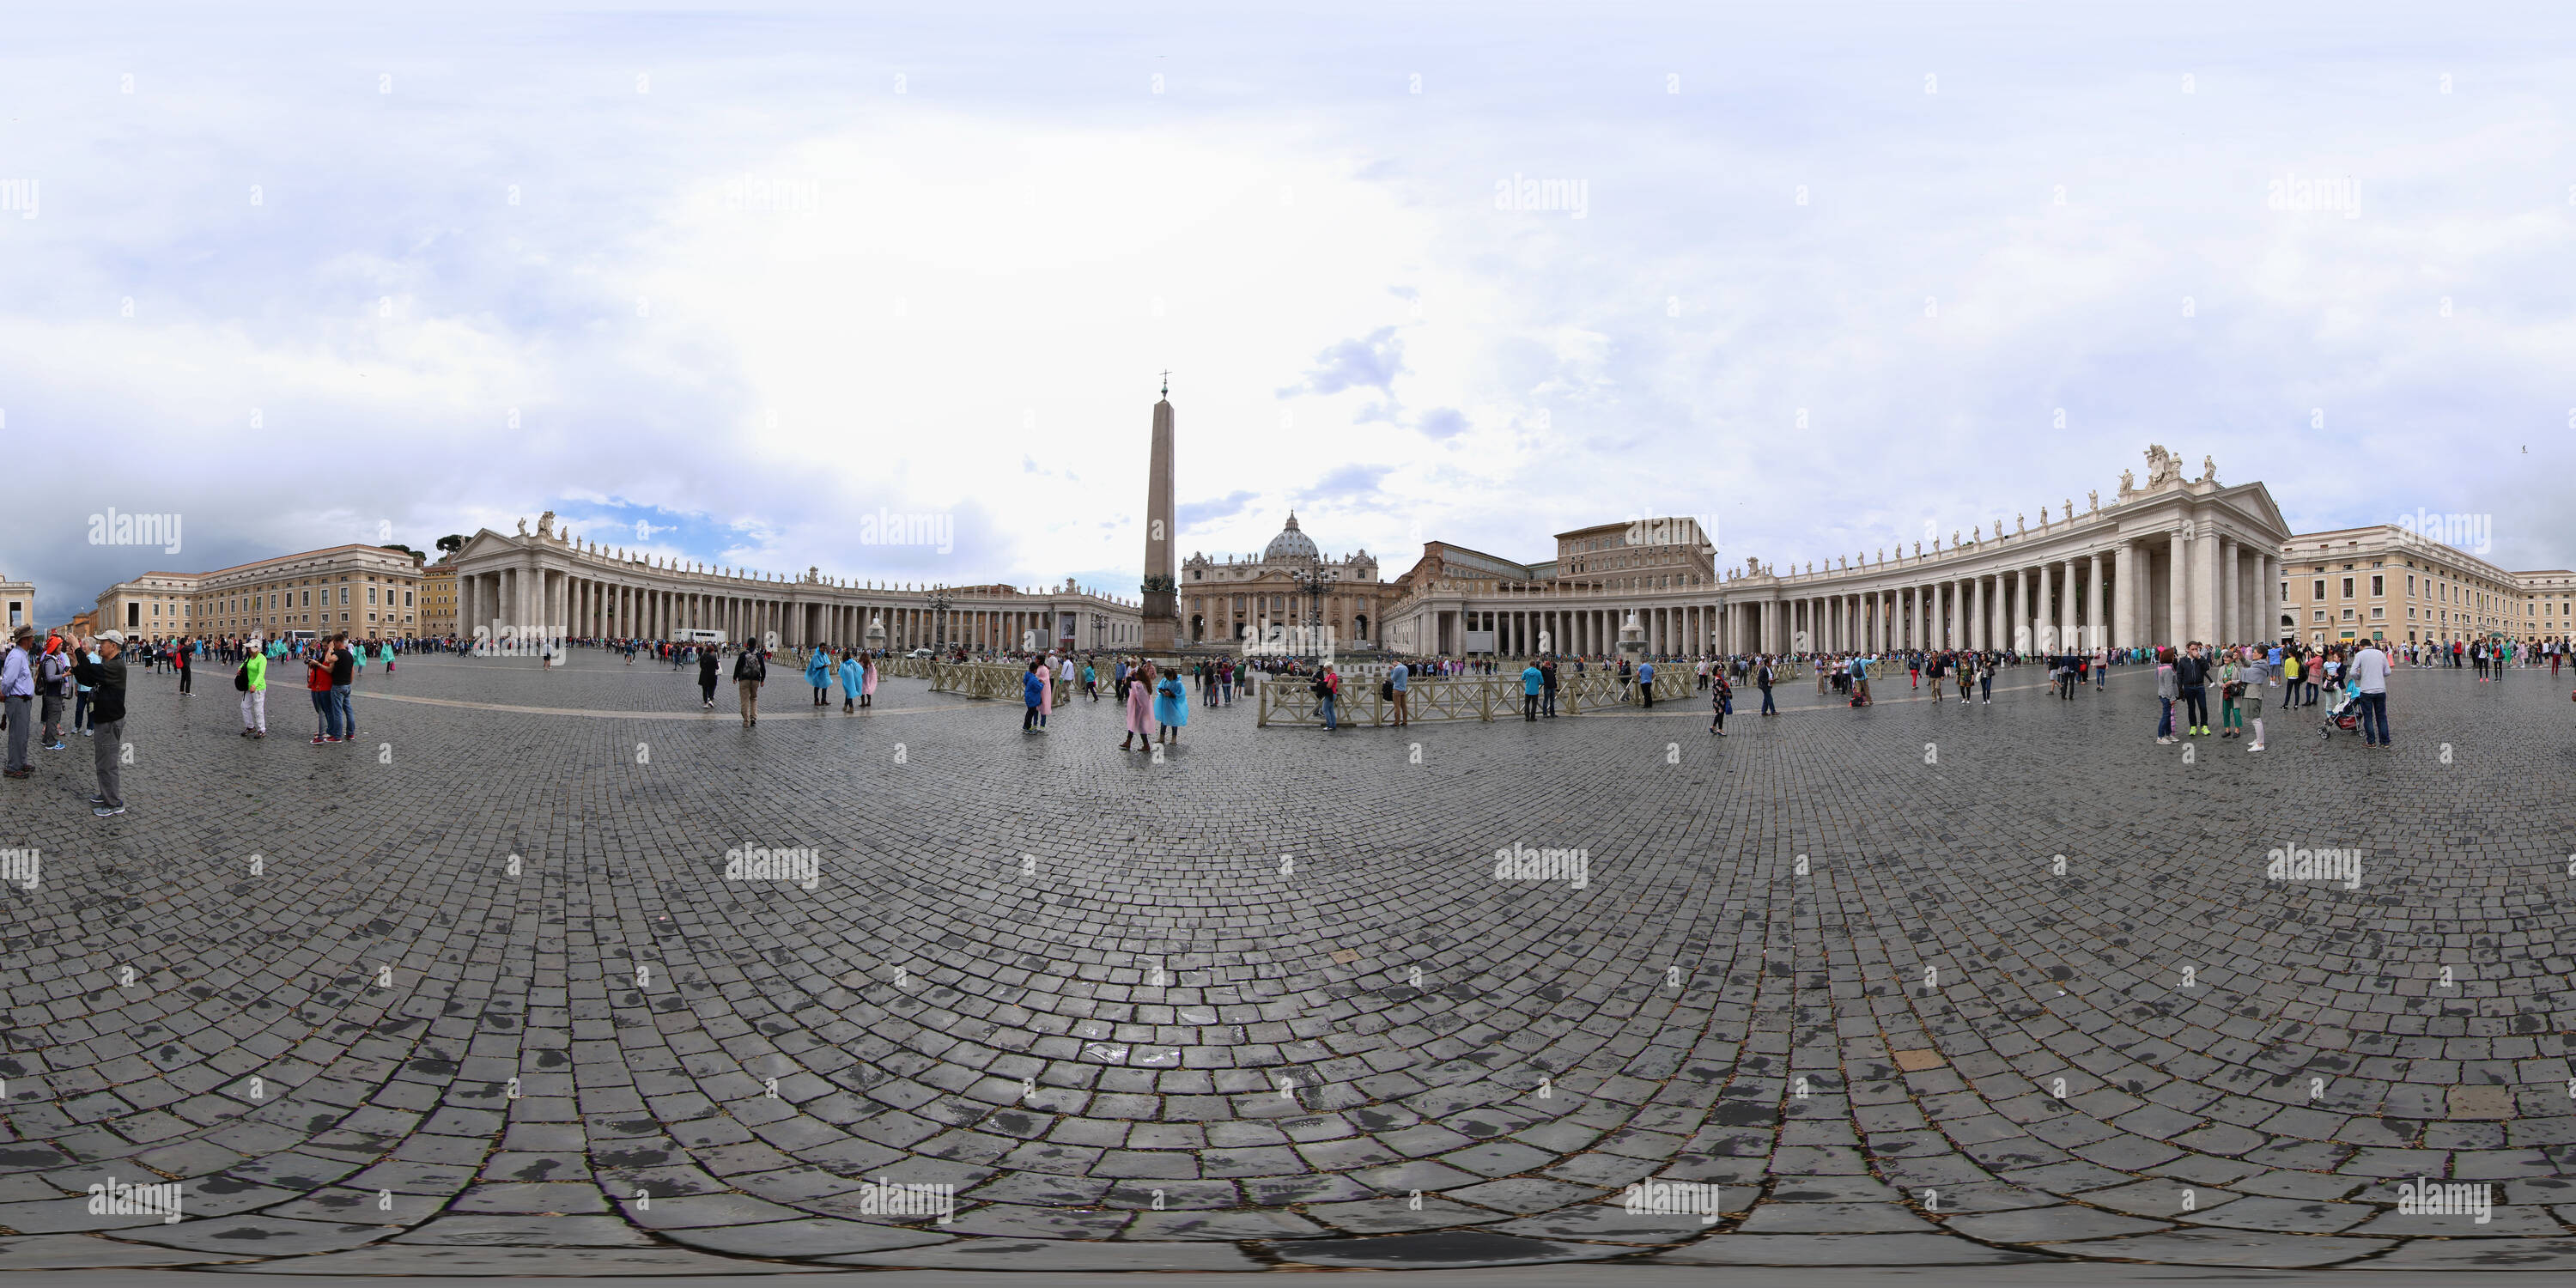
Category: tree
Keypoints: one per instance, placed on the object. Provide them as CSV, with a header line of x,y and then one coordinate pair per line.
x,y
403,548
451,543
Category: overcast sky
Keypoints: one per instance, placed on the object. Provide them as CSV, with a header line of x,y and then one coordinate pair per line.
x,y
1824,275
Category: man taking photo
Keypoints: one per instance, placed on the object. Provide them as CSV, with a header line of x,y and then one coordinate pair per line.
x,y
100,664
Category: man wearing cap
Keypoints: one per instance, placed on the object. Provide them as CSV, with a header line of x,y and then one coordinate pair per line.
x,y
106,679
18,687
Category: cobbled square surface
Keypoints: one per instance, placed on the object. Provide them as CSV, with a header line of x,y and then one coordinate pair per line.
x,y
1919,985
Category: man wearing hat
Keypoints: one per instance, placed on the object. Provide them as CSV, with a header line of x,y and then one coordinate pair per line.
x,y
106,679
18,687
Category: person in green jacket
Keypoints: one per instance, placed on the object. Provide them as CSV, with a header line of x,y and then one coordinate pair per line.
x,y
254,678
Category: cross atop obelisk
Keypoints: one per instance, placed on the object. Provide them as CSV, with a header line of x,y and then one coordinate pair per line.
x,y
1162,616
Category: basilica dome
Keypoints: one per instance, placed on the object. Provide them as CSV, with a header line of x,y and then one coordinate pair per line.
x,y
1290,544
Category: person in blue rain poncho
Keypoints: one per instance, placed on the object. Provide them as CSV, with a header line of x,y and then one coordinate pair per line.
x,y
1171,705
853,674
818,673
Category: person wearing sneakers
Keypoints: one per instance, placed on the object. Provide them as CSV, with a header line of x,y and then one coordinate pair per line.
x,y
2191,675
252,680
2253,676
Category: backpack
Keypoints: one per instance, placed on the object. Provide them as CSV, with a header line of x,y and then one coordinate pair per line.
x,y
241,679
1386,690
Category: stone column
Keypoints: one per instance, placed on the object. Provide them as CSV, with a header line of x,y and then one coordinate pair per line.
x,y
2077,588
2177,583
2124,601
2231,586
2204,588
2268,594
2032,617
2095,634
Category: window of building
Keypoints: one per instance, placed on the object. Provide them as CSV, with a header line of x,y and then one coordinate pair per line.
x,y
2378,587
2320,591
2347,587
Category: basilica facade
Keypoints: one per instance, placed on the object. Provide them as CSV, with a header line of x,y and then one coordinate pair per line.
x,y
1292,584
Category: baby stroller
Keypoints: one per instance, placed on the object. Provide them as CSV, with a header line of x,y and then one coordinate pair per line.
x,y
2346,714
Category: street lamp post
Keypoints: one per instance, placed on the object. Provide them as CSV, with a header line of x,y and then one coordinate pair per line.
x,y
1313,582
937,601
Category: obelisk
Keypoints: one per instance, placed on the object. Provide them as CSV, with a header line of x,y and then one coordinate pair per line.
x,y
1162,605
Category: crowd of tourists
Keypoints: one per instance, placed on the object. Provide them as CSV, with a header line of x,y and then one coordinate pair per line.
x,y
43,678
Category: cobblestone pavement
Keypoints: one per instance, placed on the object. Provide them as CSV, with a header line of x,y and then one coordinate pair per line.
x,y
475,993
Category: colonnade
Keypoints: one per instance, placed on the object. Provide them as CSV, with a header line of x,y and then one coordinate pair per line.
x,y
2157,588
535,600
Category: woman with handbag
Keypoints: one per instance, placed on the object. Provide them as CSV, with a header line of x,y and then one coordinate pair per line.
x,y
1721,701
